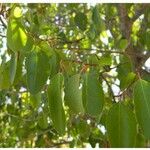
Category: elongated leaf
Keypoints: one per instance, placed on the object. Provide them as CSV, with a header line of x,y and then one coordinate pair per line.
x,y
4,75
19,70
73,95
81,20
13,67
42,120
97,21
37,66
93,97
55,103
54,64
96,15
16,35
121,126
142,105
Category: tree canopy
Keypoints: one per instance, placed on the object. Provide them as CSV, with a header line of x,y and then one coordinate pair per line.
x,y
74,75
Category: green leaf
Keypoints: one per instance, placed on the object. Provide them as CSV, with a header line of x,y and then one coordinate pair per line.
x,y
16,35
140,141
83,128
19,70
146,77
124,69
54,64
142,105
122,44
93,59
97,21
29,45
17,12
13,67
105,60
127,80
144,39
4,76
57,113
37,66
121,126
81,21
73,95
91,33
42,120
96,15
93,96
35,100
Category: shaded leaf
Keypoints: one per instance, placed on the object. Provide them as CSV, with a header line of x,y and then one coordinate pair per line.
x,y
13,67
140,141
37,66
142,105
121,126
98,22
93,97
35,100
81,20
105,60
73,95
42,120
57,113
4,76
127,80
54,64
122,44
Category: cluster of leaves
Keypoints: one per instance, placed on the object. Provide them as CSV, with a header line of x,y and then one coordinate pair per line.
x,y
61,68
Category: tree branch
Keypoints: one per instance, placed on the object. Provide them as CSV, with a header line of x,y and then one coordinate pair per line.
x,y
125,22
3,23
109,87
123,92
140,11
4,36
90,49
11,115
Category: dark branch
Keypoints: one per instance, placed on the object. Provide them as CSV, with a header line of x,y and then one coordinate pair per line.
x,y
125,22
128,87
90,49
3,23
4,36
140,11
109,87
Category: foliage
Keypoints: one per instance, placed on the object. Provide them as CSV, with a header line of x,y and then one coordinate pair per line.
x,y
74,75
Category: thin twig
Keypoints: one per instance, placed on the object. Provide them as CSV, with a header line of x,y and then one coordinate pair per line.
x,y
3,23
90,49
122,92
140,11
111,91
11,115
46,131
81,62
4,36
